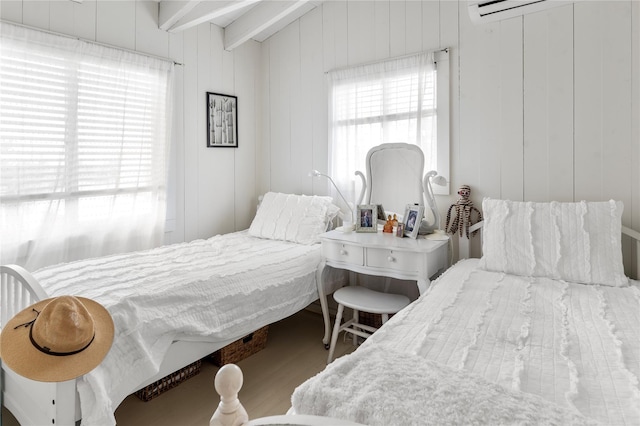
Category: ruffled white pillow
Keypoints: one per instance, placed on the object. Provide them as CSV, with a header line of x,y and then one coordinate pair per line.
x,y
296,218
577,242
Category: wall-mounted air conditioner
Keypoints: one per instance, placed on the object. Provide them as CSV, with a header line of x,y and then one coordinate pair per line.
x,y
482,11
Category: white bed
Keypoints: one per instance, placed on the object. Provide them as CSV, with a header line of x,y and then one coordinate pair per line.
x,y
507,339
173,305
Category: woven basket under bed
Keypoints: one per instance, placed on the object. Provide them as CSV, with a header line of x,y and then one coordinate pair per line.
x,y
241,348
169,382
232,353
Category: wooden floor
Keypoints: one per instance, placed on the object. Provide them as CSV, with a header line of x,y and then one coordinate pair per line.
x,y
293,354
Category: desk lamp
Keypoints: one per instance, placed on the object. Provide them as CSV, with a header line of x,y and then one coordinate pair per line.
x,y
432,177
347,225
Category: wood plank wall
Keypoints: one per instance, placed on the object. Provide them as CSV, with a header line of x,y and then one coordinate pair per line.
x,y
212,189
543,107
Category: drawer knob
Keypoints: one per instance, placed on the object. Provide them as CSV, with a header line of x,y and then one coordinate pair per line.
x,y
343,252
391,259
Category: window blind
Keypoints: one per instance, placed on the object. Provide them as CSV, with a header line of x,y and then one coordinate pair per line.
x,y
395,100
83,137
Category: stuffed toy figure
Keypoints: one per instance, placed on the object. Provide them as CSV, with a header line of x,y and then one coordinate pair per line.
x,y
463,214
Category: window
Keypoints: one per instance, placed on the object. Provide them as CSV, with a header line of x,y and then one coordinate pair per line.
x,y
83,148
399,100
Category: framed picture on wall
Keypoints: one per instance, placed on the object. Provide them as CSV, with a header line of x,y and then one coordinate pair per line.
x,y
222,121
366,218
412,218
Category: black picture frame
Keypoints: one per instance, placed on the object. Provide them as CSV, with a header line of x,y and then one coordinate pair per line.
x,y
222,120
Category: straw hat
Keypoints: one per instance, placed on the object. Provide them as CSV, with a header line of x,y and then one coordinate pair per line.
x,y
57,339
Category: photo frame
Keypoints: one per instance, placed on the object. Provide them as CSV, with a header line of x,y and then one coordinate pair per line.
x,y
222,121
382,217
412,219
366,218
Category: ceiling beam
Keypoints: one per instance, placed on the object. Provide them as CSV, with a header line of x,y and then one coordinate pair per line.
x,y
205,11
171,11
258,19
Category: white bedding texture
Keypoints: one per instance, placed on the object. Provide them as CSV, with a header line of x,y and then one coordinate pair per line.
x,y
576,346
289,217
577,242
430,394
215,289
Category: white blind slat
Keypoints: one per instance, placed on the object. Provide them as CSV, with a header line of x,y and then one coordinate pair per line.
x,y
83,139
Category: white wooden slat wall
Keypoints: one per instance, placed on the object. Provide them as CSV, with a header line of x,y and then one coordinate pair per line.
x,y
360,32
214,190
191,189
263,150
511,138
176,184
635,115
603,102
279,106
382,30
480,157
314,85
247,87
635,131
543,106
397,29
548,108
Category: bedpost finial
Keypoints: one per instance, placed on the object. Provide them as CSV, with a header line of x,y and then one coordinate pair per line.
x,y
228,381
230,411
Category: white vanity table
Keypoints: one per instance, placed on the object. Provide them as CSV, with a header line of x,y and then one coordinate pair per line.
x,y
395,178
384,255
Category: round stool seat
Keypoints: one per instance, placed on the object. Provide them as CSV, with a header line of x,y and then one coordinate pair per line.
x,y
367,300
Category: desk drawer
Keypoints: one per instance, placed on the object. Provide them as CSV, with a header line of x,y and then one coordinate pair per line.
x,y
343,253
394,260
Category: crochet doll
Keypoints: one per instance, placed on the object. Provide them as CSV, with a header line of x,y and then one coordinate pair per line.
x,y
464,211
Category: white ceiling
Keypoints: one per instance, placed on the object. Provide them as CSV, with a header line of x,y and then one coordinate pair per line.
x,y
241,19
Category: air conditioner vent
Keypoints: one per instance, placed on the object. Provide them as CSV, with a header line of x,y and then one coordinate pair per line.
x,y
482,11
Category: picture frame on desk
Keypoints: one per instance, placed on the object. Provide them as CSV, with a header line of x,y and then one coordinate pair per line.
x,y
366,218
412,218
382,217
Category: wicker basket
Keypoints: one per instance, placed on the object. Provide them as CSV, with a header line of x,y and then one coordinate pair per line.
x,y
168,382
241,348
373,320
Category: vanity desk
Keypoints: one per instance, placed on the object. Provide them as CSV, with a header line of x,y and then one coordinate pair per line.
x,y
381,254
395,179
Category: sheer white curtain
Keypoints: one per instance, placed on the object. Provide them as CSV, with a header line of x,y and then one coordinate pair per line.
x,y
390,101
84,142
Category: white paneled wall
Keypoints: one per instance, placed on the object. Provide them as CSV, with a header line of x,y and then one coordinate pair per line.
x,y
213,190
635,114
543,106
334,35
548,90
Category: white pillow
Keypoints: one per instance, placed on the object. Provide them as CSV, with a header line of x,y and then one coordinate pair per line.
x,y
577,242
296,218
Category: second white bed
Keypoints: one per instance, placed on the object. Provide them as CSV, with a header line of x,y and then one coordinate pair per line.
x,y
575,345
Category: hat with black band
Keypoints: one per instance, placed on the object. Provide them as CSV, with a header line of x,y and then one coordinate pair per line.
x,y
57,339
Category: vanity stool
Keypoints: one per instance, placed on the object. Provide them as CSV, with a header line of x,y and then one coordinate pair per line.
x,y
366,300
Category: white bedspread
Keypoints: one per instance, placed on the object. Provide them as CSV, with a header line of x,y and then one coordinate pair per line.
x,y
575,345
216,289
383,388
